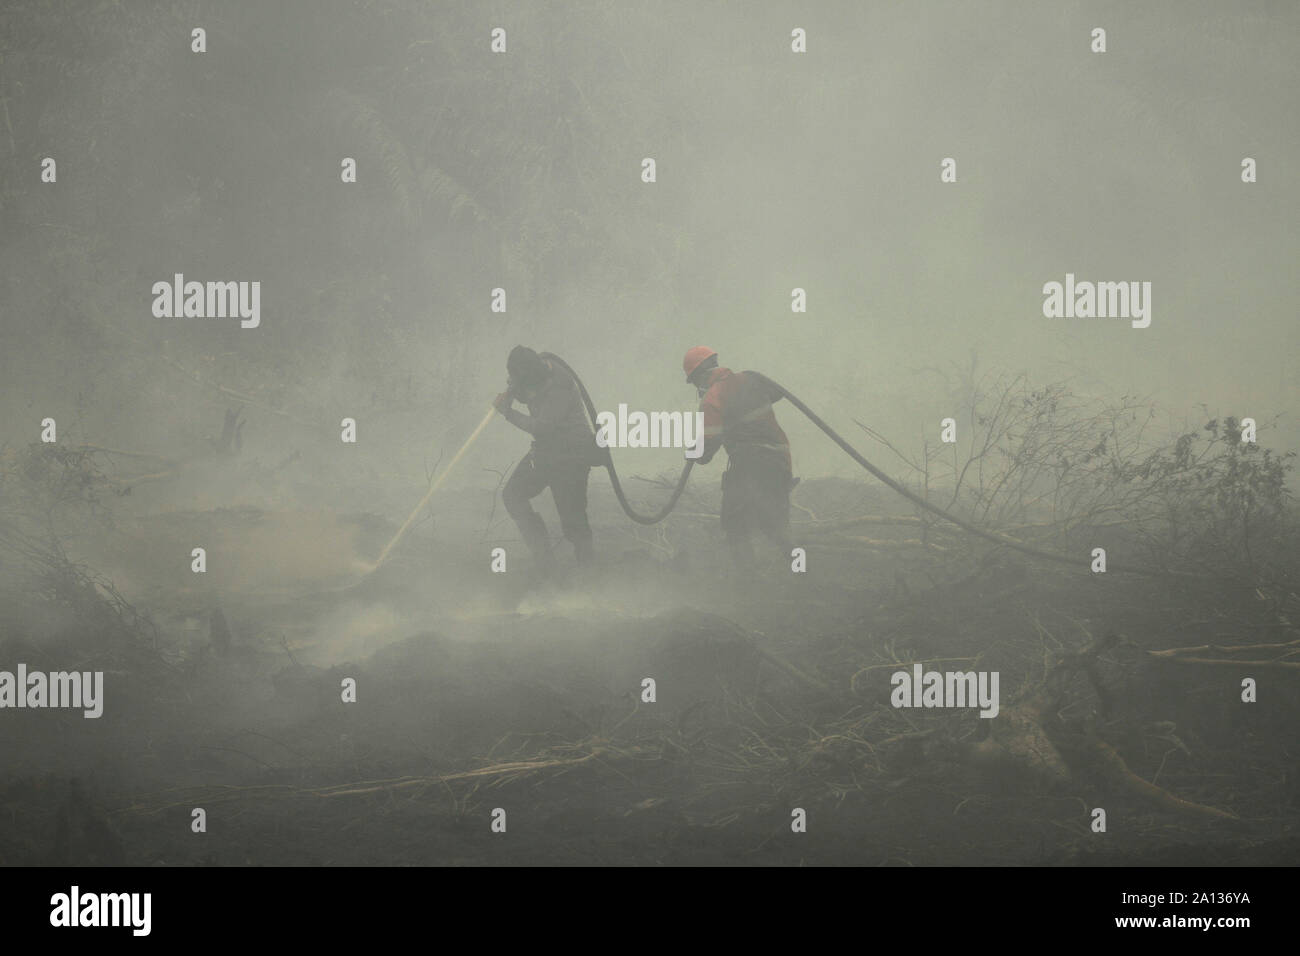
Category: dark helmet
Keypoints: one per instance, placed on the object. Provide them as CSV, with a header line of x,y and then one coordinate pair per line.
x,y
526,367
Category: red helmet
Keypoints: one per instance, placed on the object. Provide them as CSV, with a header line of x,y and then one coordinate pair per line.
x,y
695,358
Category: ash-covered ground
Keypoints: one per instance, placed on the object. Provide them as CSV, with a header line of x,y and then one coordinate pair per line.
x,y
479,691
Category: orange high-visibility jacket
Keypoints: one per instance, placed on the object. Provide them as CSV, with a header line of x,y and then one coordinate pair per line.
x,y
738,416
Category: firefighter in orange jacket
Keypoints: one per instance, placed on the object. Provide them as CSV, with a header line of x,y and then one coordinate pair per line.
x,y
756,486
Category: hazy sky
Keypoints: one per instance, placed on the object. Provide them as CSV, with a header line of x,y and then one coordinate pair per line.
x,y
775,170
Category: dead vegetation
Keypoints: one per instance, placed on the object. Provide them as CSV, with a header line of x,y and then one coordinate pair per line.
x,y
50,494
1118,692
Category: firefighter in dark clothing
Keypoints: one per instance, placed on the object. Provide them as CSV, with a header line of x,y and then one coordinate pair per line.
x,y
564,450
756,486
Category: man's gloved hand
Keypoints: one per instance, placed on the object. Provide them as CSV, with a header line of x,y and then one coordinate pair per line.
x,y
504,401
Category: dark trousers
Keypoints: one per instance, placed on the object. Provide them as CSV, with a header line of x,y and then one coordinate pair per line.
x,y
756,497
568,484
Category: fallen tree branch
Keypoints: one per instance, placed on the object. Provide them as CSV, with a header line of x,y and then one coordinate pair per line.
x,y
1225,662
1221,649
522,766
825,527
356,788
1037,740
1112,767
850,542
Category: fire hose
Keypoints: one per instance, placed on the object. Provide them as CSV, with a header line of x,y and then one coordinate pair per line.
x,y
853,453
831,433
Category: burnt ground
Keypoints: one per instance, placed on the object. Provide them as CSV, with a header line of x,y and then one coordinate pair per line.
x,y
478,691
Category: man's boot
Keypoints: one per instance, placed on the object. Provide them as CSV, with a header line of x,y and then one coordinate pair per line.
x,y
584,551
533,529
